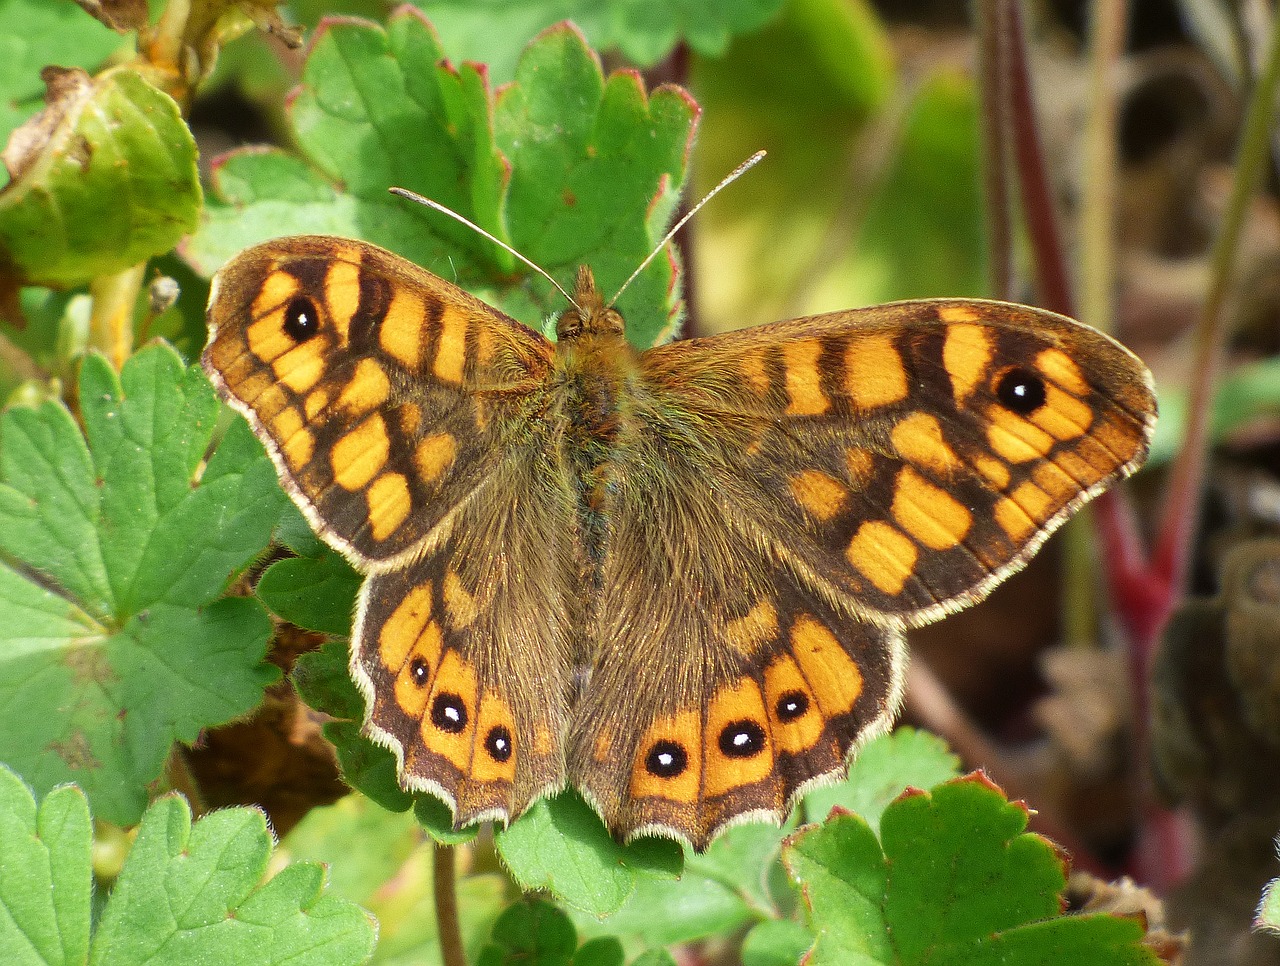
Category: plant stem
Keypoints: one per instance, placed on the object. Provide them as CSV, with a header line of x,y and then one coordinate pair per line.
x,y
111,319
1095,290
446,895
1142,598
993,82
1098,182
1037,196
1182,507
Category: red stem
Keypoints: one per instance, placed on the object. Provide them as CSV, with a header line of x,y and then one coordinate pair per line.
x,y
1037,196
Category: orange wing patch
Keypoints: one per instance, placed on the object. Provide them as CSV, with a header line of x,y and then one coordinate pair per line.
x,y
758,627
736,746
368,389
874,374
389,503
918,439
804,382
448,729
966,354
666,764
361,454
929,513
401,332
794,719
495,759
342,294
823,496
832,675
451,350
884,555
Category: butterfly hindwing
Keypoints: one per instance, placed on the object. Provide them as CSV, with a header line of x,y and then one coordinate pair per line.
x,y
733,689
465,656
910,456
379,389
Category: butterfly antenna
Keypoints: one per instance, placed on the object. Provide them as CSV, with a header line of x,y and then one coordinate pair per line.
x,y
420,199
731,177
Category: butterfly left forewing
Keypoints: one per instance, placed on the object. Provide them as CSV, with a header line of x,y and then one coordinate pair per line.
x,y
910,456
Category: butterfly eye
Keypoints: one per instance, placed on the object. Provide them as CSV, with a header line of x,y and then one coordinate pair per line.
x,y
666,759
741,739
792,705
301,319
498,743
1020,391
448,713
418,671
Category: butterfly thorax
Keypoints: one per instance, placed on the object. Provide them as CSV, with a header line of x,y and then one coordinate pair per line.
x,y
595,372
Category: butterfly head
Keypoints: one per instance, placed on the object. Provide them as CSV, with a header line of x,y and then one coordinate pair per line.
x,y
589,315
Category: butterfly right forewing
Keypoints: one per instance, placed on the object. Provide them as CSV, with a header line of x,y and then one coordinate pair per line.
x,y
380,390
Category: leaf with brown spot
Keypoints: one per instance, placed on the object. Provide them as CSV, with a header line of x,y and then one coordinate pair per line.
x,y
105,177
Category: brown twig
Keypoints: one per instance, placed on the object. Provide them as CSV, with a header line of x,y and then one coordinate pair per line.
x,y
448,928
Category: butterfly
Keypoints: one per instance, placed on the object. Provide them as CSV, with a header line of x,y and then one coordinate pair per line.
x,y
675,579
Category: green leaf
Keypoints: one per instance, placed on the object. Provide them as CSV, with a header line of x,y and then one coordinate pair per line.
x,y
296,533
601,951
561,845
958,881
194,893
322,680
585,183
366,767
531,933
381,860
738,872
317,593
664,913
106,179
47,880
37,33
887,765
185,894
564,164
363,846
645,31
436,819
407,916
113,552
776,942
740,859
654,957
